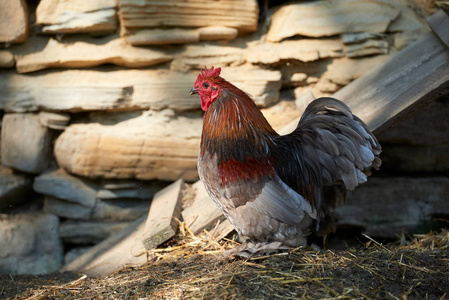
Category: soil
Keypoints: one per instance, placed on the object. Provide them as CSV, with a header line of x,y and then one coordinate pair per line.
x,y
193,267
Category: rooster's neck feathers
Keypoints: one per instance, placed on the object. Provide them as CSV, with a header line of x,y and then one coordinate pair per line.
x,y
235,130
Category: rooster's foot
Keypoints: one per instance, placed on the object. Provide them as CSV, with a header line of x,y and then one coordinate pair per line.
x,y
249,249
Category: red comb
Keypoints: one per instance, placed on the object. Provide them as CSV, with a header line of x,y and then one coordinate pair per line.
x,y
210,73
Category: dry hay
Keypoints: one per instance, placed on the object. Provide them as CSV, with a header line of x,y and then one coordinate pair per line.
x,y
191,267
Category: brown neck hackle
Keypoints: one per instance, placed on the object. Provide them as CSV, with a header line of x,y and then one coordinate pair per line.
x,y
236,131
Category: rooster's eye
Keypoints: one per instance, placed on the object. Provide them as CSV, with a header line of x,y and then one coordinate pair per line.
x,y
205,85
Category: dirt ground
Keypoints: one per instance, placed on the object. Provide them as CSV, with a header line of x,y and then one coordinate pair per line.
x,y
192,267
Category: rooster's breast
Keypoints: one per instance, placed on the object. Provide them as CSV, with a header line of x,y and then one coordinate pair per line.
x,y
261,210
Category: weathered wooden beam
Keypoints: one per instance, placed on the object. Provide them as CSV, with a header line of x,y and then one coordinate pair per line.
x,y
439,22
165,210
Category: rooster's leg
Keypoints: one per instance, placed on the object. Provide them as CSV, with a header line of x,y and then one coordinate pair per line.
x,y
249,249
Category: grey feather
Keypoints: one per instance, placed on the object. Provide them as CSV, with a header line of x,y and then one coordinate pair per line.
x,y
328,133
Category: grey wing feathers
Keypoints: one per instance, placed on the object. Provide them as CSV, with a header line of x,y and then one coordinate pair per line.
x,y
346,149
279,201
325,104
330,152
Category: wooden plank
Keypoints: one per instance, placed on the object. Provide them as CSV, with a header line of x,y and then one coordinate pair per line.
x,y
165,208
413,77
439,22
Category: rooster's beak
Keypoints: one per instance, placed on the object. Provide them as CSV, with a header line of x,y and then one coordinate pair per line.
x,y
193,91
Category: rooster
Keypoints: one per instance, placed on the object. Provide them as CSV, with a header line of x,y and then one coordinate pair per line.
x,y
277,189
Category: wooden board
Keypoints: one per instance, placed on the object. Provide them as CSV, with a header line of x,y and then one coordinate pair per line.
x,y
164,212
439,22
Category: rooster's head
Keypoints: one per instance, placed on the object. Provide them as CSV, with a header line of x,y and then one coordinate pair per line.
x,y
207,85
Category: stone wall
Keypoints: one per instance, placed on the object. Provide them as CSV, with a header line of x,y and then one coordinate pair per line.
x,y
97,116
